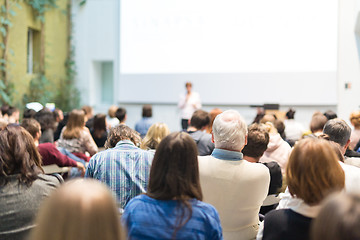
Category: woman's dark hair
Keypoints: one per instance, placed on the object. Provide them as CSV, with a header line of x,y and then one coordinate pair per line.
x,y
174,173
18,155
99,125
46,119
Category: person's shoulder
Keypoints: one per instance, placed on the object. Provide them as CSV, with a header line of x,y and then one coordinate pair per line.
x,y
48,181
46,145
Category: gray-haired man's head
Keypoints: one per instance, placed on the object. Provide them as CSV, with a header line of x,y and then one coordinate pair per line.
x,y
338,131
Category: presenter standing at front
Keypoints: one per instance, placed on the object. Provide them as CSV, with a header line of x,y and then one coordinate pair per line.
x,y
189,103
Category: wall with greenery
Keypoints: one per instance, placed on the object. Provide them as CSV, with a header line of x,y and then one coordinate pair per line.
x,y
54,75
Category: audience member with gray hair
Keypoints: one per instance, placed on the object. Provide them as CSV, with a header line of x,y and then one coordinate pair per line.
x,y
236,187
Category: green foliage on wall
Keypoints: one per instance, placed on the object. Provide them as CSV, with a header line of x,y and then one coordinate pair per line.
x,y
6,86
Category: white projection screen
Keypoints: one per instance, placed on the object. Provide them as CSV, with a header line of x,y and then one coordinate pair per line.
x,y
239,52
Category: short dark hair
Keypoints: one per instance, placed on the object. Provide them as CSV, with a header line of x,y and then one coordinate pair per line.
x,y
147,111
32,126
258,139
200,119
329,114
4,109
12,110
121,132
174,173
46,119
29,113
18,154
338,131
290,114
120,114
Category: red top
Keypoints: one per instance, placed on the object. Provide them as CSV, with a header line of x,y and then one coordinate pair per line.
x,y
50,155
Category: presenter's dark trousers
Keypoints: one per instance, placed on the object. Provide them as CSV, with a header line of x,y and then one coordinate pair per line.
x,y
184,124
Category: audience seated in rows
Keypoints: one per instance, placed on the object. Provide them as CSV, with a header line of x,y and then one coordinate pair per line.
x,y
153,137
76,138
198,124
338,132
312,172
257,141
235,187
172,207
22,182
123,166
79,210
49,153
146,121
278,150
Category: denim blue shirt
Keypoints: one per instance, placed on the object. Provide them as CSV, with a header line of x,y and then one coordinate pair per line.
x,y
148,218
124,168
227,155
143,126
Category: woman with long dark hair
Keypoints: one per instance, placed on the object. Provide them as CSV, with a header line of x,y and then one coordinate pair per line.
x,y
172,207
22,183
99,130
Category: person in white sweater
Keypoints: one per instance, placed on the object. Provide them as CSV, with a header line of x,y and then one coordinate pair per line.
x,y
235,187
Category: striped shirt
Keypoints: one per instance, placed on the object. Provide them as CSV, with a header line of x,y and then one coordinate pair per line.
x,y
124,168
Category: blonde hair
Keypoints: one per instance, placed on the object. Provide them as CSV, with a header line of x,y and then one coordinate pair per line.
x,y
112,111
79,210
355,119
313,170
154,135
75,124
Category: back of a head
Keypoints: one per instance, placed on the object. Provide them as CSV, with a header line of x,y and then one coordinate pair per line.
x,y
329,114
229,130
174,172
338,131
112,111
29,113
78,210
154,135
99,122
46,119
258,139
355,119
213,113
268,118
12,110
147,111
313,171
339,218
120,114
119,133
290,114
18,155
88,111
318,122
200,119
31,125
74,124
